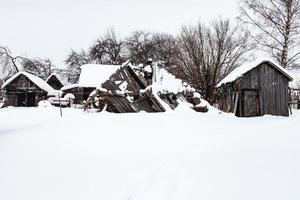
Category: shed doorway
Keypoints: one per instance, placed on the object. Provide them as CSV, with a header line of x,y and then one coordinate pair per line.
x,y
250,103
26,100
21,100
31,100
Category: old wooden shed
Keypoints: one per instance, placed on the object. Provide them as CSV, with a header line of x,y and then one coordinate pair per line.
x,y
26,90
256,89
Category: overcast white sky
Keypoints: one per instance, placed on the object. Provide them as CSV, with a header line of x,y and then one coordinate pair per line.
x,y
48,29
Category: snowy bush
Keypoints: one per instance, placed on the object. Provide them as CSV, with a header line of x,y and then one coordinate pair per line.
x,y
44,103
69,96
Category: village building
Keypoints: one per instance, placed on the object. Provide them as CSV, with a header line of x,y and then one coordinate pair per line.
x,y
26,90
256,89
54,81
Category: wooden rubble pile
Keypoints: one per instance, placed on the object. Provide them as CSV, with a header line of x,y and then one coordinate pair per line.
x,y
128,91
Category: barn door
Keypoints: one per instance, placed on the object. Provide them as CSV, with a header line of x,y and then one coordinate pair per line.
x,y
31,100
21,100
251,105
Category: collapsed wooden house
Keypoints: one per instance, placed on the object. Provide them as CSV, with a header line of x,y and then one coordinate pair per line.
x,y
121,92
26,90
54,81
256,89
128,90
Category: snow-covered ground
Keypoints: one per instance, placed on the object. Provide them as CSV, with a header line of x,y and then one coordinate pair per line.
x,y
165,156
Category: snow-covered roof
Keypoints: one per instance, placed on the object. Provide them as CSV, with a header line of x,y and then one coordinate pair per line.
x,y
167,83
240,71
93,75
36,80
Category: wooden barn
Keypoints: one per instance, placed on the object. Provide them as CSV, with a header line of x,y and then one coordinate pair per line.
x,y
26,90
256,89
54,81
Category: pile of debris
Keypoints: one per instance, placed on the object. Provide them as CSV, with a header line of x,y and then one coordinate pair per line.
x,y
148,88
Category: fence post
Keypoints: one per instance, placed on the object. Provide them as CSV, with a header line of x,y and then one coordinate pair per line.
x,y
59,105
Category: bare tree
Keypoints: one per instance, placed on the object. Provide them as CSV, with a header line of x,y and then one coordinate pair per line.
x,y
207,53
9,64
165,48
276,26
38,66
74,61
140,46
108,49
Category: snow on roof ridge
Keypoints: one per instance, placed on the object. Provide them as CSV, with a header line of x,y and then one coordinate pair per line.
x,y
168,82
240,71
53,74
35,79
